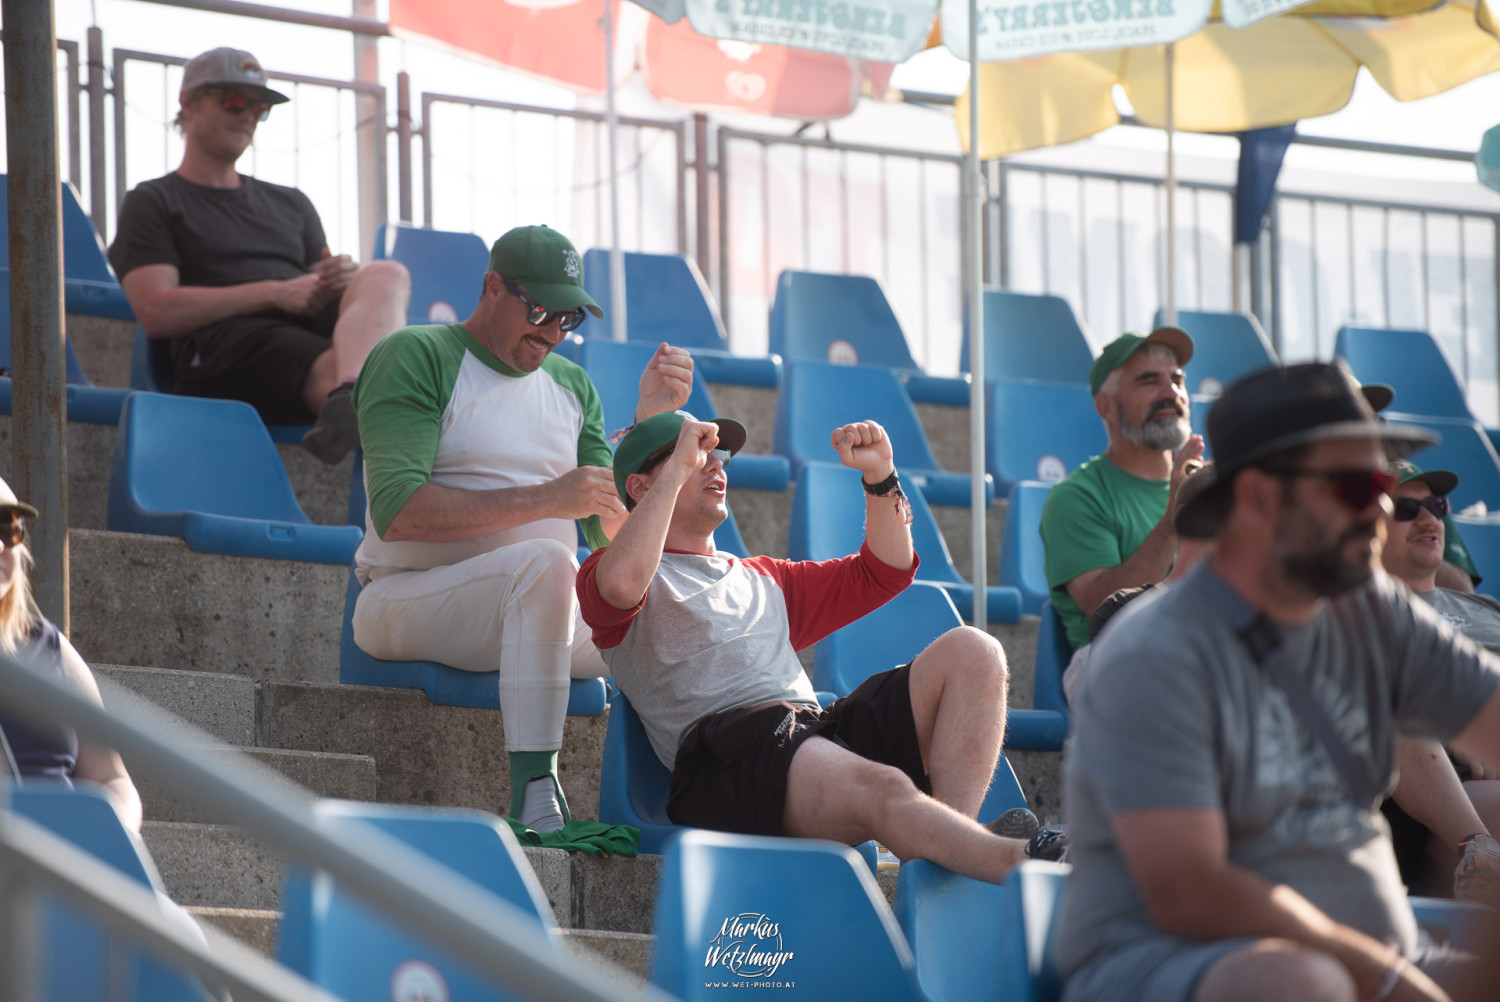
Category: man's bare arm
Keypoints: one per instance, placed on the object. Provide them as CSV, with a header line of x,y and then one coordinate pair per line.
x,y
1480,742
435,514
1180,862
167,308
864,446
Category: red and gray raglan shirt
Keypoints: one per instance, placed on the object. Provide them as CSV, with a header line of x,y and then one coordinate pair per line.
x,y
435,406
715,632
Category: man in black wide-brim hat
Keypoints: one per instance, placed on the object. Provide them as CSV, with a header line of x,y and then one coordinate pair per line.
x,y
1230,751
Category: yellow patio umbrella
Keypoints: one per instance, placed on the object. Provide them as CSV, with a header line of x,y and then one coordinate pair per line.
x,y
1273,72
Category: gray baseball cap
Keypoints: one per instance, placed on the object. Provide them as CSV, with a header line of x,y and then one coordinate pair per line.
x,y
230,67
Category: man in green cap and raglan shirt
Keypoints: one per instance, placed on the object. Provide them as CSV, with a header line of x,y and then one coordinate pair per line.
x,y
1108,525
482,448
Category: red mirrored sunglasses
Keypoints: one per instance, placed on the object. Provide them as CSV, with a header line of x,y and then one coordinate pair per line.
x,y
1357,489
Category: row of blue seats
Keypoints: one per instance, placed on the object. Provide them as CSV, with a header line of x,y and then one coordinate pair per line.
x,y
754,911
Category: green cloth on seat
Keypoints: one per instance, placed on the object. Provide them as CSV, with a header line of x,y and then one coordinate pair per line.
x,y
592,837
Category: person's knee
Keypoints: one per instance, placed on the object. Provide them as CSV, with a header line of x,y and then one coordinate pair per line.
x,y
879,788
971,654
1277,969
384,277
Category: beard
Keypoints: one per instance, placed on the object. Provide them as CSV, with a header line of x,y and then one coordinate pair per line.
x,y
1162,430
1325,571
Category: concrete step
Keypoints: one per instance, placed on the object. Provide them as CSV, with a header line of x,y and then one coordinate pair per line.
x,y
149,600
221,704
255,927
347,777
424,754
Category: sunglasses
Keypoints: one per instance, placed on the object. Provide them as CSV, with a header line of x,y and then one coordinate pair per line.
x,y
233,102
540,316
1357,489
1407,509
655,459
12,526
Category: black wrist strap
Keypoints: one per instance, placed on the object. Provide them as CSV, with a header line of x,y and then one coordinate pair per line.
x,y
884,488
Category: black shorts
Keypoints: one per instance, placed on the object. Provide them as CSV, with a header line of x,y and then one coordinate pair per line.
x,y
262,360
731,767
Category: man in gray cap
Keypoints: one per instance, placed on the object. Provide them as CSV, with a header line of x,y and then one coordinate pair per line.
x,y
236,275
1238,730
1108,525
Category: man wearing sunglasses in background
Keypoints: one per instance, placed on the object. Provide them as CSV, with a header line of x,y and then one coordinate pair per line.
x,y
236,275
1461,806
482,447
1238,730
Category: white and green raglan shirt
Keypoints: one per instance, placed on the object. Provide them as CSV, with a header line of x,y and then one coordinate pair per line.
x,y
435,406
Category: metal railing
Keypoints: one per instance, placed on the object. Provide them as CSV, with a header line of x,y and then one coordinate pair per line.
x,y
556,169
492,937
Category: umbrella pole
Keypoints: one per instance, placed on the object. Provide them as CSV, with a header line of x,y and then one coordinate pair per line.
x,y
973,282
612,126
1171,194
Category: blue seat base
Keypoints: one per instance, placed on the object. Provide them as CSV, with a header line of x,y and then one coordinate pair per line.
x,y
1035,730
759,473
1002,602
86,404
737,370
454,687
950,391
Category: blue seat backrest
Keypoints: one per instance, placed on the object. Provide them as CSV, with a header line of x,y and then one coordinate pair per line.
x,y
666,299
615,368
1410,361
1052,656
73,372
633,783
89,283
813,906
1040,431
891,635
195,454
1482,539
447,270
977,942
844,319
337,941
1022,559
817,397
1031,337
1466,450
1226,346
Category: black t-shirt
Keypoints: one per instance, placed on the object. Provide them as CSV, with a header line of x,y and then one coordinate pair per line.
x,y
218,236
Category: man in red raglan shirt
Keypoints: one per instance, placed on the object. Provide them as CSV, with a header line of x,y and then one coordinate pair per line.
x,y
704,646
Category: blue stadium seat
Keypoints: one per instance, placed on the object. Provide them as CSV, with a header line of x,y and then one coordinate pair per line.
x,y
1411,362
447,270
817,397
85,402
1022,559
75,964
89,283
897,632
1052,657
828,517
846,320
666,299
1040,431
1226,346
1466,450
978,942
813,901
1459,924
1482,538
633,783
1031,337
616,367
443,684
207,471
334,939
151,370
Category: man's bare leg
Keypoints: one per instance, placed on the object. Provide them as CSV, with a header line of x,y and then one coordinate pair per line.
x,y
835,794
373,306
1276,969
958,696
1429,790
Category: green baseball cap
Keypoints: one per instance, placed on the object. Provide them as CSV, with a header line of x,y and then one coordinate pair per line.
x,y
547,264
1118,352
659,431
1441,482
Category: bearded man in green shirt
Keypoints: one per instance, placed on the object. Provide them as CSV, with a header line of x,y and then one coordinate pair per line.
x,y
1107,526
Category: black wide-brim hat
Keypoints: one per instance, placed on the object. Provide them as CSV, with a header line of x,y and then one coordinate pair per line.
x,y
1275,409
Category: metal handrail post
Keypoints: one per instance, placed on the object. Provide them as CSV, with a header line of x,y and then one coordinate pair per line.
x,y
98,185
369,130
39,403
403,155
722,269
75,129
702,231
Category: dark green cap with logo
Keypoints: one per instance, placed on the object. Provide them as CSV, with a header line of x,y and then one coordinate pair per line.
x,y
650,436
546,264
1440,482
1118,352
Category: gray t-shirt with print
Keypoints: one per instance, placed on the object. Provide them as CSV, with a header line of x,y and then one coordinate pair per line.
x,y
1475,616
1178,715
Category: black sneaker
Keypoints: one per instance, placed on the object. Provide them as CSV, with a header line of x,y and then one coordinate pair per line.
x,y
336,432
1018,822
1049,843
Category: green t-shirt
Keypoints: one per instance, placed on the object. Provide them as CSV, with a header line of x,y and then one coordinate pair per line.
x,y
1456,553
1095,518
